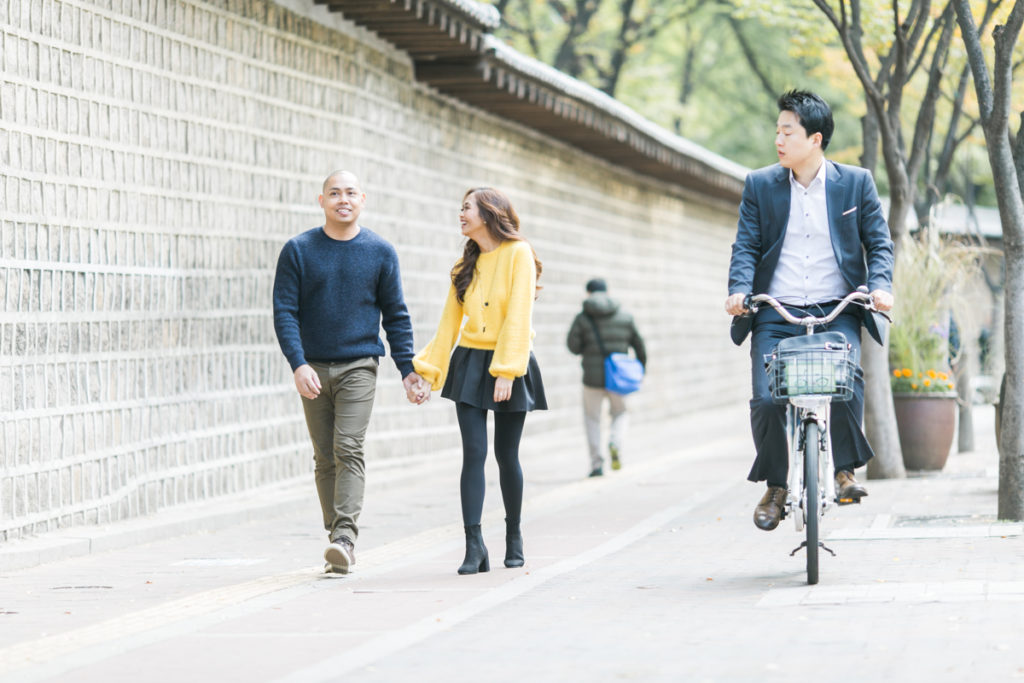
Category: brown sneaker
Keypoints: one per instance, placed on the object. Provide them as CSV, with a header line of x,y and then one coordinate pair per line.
x,y
341,554
848,489
772,508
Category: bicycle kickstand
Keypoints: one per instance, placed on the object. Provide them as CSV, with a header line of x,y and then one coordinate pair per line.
x,y
803,544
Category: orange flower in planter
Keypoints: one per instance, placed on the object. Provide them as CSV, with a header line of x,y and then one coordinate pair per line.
x,y
906,380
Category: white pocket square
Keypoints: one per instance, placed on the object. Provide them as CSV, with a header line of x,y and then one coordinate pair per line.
x,y
849,211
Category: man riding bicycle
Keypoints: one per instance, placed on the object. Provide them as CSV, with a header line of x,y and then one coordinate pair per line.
x,y
810,231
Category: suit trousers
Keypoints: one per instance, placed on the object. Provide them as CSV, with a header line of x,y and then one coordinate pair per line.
x,y
337,420
850,448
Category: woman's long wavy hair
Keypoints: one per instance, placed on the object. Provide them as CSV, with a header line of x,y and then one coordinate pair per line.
x,y
502,223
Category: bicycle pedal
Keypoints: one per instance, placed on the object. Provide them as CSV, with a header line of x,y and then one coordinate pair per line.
x,y
848,501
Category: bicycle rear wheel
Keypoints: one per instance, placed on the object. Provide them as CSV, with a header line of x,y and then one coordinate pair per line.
x,y
812,499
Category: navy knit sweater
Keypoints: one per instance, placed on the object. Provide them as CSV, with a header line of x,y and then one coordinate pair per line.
x,y
330,297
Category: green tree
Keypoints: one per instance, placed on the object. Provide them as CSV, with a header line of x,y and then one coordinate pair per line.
x,y
687,65
994,87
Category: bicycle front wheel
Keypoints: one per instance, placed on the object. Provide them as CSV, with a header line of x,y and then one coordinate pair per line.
x,y
812,499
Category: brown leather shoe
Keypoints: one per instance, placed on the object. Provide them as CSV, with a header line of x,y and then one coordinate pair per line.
x,y
772,508
848,489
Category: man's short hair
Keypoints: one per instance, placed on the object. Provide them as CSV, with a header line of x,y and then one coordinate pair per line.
x,y
597,285
814,113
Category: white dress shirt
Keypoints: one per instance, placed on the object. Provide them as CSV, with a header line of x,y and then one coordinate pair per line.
x,y
807,272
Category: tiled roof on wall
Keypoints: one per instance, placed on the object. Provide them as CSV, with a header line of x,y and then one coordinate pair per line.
x,y
426,29
453,50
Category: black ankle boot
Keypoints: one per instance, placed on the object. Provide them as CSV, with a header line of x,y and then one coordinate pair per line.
x,y
476,553
513,545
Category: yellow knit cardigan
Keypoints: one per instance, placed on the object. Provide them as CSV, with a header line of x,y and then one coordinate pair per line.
x,y
497,311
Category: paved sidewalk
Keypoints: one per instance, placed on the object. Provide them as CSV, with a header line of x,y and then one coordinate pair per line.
x,y
655,572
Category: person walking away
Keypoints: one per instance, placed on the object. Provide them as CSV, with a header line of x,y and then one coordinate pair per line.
x,y
618,333
334,287
810,232
493,287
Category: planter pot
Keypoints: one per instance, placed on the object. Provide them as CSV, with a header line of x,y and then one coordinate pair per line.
x,y
926,425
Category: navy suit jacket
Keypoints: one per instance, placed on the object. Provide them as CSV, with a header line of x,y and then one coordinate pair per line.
x,y
860,236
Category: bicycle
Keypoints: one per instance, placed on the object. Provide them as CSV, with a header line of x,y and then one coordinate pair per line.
x,y
808,373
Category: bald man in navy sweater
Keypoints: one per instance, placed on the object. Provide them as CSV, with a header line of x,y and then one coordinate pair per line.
x,y
335,287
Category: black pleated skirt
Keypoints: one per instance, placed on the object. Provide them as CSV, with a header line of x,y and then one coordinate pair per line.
x,y
470,381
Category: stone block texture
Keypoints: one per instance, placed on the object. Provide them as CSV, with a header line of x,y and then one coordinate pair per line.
x,y
156,155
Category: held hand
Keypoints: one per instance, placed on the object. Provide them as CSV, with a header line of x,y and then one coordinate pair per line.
x,y
416,388
734,304
307,382
883,300
502,389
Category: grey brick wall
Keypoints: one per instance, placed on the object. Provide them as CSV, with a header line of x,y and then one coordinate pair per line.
x,y
155,157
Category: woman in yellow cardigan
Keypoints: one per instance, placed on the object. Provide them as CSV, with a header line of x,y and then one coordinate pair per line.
x,y
493,367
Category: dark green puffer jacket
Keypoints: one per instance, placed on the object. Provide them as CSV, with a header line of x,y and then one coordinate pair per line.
x,y
618,333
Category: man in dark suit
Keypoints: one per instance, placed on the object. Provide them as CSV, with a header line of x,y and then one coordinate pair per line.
x,y
810,232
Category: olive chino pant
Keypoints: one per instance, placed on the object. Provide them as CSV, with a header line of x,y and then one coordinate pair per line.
x,y
337,421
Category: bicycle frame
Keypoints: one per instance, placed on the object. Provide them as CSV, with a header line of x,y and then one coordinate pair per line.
x,y
806,503
800,411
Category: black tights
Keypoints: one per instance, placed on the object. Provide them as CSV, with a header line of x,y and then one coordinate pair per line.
x,y
508,429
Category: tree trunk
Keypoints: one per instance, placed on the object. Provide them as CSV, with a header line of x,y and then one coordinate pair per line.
x,y
997,345
869,140
567,59
1011,436
750,54
686,85
999,413
901,193
965,423
879,412
994,103
622,45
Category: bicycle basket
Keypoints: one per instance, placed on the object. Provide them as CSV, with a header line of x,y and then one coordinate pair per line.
x,y
818,365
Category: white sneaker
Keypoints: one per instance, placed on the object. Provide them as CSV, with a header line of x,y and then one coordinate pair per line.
x,y
341,554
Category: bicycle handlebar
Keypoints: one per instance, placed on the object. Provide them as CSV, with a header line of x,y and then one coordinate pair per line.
x,y
860,297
